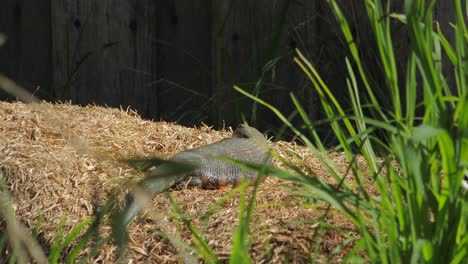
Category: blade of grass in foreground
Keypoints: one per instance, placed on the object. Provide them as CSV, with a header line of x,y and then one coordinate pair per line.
x,y
324,159
21,241
201,246
58,246
241,240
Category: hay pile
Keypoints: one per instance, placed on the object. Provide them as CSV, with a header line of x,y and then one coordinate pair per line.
x,y
62,160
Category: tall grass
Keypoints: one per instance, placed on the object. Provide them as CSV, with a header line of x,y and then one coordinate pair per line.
x,y
420,214
17,245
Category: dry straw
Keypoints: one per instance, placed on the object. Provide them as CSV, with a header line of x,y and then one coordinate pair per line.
x,y
61,161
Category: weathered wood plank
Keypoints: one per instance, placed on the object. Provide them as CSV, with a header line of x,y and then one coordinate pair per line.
x,y
25,57
258,32
104,52
184,60
444,16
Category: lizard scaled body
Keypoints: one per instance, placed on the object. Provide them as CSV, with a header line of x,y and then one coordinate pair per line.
x,y
246,144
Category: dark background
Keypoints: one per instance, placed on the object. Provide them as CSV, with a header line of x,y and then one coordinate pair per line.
x,y
177,60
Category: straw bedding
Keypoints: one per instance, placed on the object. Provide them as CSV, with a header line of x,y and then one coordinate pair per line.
x,y
62,161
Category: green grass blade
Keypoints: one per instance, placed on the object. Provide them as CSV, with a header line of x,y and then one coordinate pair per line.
x,y
76,230
201,246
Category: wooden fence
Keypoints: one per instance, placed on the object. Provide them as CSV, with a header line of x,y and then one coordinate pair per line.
x,y
177,60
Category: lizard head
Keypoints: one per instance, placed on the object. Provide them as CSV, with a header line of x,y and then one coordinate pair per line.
x,y
246,131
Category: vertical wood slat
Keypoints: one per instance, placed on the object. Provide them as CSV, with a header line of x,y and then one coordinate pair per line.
x,y
444,15
104,52
243,33
184,60
254,34
250,42
26,55
305,33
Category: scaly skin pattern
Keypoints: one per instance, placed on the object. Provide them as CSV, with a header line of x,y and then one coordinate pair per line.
x,y
246,144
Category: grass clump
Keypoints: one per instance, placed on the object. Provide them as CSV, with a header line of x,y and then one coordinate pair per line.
x,y
421,142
